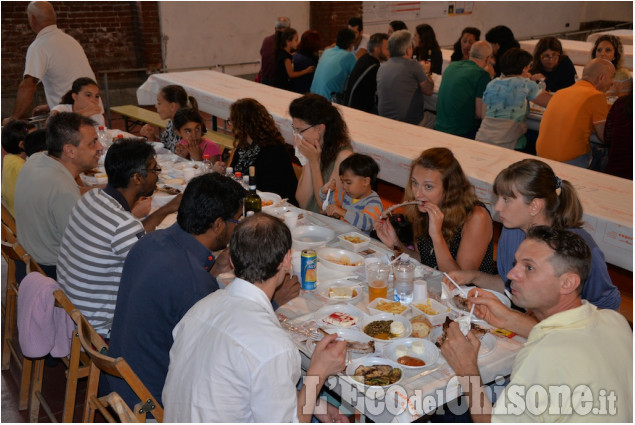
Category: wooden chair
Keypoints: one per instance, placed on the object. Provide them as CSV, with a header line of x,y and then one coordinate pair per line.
x,y
77,364
116,403
96,349
13,252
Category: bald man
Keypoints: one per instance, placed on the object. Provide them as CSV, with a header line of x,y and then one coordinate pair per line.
x,y
54,58
574,113
460,103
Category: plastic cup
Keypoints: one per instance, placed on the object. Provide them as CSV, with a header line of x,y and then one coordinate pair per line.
x,y
291,219
377,274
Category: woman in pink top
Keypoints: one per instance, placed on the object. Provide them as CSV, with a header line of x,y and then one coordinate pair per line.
x,y
190,127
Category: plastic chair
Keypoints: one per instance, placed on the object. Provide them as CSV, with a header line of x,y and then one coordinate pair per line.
x,y
97,350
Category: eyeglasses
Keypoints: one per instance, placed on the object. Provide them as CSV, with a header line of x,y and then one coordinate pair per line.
x,y
156,170
298,133
546,57
233,220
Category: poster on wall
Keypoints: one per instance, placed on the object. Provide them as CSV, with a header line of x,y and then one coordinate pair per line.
x,y
459,8
381,12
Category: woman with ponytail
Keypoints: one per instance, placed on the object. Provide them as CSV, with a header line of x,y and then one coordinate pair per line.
x,y
530,194
169,100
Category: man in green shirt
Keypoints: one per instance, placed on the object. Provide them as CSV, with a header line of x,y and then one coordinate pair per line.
x,y
460,104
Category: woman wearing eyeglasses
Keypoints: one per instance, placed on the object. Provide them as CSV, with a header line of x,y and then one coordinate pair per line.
x,y
322,143
552,65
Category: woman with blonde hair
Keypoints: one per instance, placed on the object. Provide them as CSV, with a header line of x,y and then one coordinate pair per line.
x,y
530,194
258,142
452,228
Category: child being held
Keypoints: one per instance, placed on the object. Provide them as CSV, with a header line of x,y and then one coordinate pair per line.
x,y
357,203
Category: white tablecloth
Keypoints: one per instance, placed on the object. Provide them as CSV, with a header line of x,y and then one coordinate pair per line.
x,y
495,363
607,200
580,51
625,35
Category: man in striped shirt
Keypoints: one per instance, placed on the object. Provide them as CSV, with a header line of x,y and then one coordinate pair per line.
x,y
102,229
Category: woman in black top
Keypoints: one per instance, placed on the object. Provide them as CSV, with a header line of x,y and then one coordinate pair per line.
x,y
427,49
502,39
305,57
452,228
258,142
287,42
469,36
552,65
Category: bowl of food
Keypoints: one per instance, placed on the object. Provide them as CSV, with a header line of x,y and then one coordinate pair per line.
x,y
354,241
431,309
340,259
269,200
374,372
340,291
308,237
386,326
382,305
412,353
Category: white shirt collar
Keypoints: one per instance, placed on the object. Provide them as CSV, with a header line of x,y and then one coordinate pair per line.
x,y
243,289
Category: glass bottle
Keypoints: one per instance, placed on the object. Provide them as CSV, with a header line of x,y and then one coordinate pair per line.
x,y
252,202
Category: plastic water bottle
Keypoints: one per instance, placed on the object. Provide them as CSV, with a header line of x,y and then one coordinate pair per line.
x,y
404,274
229,172
103,136
207,164
542,85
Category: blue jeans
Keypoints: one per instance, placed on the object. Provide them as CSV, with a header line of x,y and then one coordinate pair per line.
x,y
582,161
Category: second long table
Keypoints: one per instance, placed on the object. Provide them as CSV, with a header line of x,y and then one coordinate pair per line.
x,y
607,200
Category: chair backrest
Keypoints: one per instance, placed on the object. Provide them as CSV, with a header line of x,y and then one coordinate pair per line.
x,y
12,249
97,350
9,221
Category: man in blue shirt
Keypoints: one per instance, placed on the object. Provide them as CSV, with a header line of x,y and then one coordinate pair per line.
x,y
167,272
335,66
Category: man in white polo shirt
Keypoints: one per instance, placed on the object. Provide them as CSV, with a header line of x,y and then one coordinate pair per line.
x,y
54,58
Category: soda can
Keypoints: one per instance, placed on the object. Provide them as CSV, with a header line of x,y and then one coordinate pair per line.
x,y
308,267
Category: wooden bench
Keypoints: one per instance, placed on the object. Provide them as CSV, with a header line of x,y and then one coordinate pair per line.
x,y
138,116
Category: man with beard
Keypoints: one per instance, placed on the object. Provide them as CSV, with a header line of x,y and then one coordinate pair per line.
x,y
102,229
361,90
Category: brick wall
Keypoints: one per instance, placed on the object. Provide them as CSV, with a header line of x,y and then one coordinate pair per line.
x,y
328,18
115,35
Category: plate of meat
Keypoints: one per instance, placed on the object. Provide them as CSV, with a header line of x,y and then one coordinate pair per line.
x,y
458,303
438,335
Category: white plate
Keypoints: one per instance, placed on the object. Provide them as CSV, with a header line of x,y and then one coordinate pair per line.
x,y
269,197
279,211
311,237
387,316
370,361
430,353
488,341
347,334
349,309
327,256
372,307
323,290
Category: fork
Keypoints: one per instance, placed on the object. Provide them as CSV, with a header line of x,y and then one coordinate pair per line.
x,y
325,204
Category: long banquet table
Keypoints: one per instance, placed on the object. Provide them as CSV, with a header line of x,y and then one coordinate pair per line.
x,y
607,200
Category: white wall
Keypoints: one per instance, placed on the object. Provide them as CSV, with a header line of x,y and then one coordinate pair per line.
x,y
525,19
213,33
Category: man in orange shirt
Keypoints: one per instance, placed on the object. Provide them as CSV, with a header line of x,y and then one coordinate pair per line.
x,y
574,113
